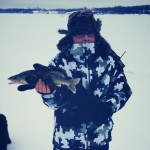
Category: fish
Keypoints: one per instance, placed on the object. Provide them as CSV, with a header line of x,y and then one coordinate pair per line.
x,y
47,75
21,77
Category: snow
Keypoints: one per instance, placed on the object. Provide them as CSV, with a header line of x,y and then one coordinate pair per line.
x,y
27,39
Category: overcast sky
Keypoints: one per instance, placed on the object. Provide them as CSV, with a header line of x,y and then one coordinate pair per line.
x,y
68,3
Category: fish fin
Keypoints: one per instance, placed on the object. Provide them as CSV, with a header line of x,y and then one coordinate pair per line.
x,y
58,84
73,83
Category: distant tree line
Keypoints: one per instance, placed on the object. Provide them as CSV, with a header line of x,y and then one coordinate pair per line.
x,y
143,9
22,10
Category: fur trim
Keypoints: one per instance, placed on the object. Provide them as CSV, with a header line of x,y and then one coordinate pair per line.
x,y
83,22
102,47
62,31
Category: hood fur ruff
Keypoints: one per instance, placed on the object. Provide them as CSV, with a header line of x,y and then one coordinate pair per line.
x,y
83,22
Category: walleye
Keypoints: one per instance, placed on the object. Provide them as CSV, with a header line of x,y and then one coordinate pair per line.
x,y
48,75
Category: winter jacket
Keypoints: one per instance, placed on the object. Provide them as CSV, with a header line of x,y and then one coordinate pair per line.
x,y
84,119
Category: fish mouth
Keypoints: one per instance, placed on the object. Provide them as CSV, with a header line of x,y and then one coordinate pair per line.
x,y
13,82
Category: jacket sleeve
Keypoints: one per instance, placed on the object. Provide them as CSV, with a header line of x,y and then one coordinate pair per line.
x,y
117,94
119,91
57,97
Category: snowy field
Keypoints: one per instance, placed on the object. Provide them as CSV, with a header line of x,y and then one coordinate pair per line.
x,y
28,39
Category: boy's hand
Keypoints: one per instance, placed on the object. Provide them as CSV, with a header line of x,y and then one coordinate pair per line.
x,y
40,87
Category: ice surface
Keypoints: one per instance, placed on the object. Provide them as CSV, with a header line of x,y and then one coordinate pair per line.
x,y
27,39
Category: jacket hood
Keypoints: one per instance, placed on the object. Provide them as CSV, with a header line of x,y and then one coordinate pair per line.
x,y
102,47
84,22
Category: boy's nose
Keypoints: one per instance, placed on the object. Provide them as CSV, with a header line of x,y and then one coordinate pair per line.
x,y
85,38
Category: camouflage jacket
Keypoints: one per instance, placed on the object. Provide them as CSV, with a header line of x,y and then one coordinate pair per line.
x,y
84,119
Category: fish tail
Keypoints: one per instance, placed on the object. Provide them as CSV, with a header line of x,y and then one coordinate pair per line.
x,y
73,83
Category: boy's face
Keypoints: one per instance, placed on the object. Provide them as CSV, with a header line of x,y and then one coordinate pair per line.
x,y
83,38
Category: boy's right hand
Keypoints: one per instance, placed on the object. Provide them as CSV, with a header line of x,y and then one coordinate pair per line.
x,y
42,88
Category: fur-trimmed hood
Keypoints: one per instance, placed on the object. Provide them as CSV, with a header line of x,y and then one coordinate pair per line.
x,y
102,47
83,22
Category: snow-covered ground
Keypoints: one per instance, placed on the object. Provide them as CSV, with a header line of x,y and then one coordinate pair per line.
x,y
27,39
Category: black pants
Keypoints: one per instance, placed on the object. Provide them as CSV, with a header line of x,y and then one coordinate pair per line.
x,y
105,147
